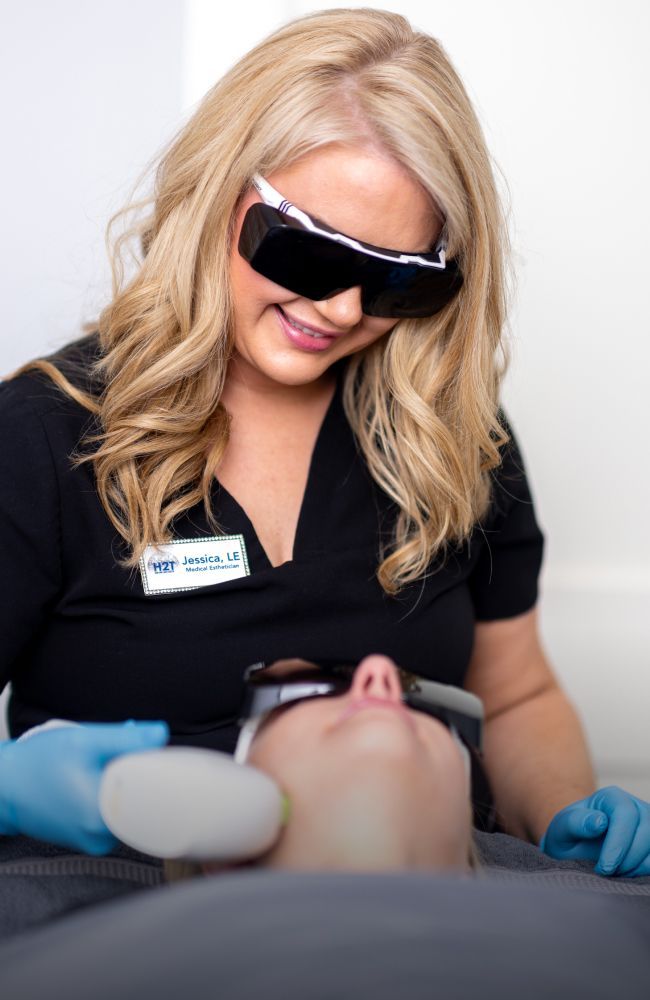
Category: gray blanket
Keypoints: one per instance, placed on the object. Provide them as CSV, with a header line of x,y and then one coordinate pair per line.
x,y
509,859
40,882
277,935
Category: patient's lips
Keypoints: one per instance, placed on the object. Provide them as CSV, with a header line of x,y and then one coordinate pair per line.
x,y
360,703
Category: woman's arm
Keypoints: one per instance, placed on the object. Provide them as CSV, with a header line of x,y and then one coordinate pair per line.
x,y
536,756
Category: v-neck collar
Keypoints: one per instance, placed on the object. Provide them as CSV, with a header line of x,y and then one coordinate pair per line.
x,y
234,517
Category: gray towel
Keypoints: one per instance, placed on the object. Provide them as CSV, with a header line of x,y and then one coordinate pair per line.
x,y
515,860
40,882
279,935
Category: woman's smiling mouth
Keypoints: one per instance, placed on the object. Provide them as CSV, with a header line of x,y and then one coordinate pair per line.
x,y
304,336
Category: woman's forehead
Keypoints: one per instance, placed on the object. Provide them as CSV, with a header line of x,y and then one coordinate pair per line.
x,y
283,670
370,197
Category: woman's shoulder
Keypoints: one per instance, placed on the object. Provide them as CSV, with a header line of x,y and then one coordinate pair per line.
x,y
511,508
35,387
510,473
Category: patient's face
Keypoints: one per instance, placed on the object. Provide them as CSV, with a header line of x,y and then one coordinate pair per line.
x,y
369,779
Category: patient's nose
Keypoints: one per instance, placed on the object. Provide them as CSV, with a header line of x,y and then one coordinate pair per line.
x,y
376,677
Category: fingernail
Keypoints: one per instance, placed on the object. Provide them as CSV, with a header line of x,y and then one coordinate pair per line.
x,y
153,730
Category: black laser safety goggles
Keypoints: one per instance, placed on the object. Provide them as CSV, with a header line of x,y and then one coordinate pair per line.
x,y
271,687
310,258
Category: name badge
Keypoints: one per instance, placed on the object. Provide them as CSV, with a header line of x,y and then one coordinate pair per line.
x,y
184,564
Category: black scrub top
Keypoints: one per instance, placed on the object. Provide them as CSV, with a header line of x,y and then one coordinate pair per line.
x,y
81,640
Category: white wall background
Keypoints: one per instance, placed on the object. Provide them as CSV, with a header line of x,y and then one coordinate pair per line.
x,y
92,91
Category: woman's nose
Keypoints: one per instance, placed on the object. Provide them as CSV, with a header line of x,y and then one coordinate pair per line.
x,y
376,677
344,309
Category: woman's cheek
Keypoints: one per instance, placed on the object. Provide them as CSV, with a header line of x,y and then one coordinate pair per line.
x,y
273,748
292,738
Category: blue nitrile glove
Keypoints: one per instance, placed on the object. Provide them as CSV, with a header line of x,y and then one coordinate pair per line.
x,y
49,783
611,827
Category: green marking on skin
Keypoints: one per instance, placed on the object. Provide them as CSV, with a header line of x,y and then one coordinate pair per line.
x,y
286,809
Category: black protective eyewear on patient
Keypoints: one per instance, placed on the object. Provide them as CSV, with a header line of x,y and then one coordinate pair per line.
x,y
308,257
271,687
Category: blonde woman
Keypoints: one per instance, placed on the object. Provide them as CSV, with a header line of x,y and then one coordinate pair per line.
x,y
284,440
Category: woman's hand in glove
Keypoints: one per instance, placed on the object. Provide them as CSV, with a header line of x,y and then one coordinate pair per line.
x,y
49,783
611,827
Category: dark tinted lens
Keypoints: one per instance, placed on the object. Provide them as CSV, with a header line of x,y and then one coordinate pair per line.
x,y
293,257
311,265
269,688
298,671
410,292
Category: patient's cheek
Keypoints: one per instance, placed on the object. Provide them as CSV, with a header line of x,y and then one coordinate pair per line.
x,y
288,736
269,752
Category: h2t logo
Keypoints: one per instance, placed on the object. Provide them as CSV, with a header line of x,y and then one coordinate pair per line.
x,y
159,565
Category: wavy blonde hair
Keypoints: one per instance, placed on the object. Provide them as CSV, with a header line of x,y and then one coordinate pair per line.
x,y
421,401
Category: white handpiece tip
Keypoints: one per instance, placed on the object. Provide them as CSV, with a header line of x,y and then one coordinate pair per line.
x,y
185,802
